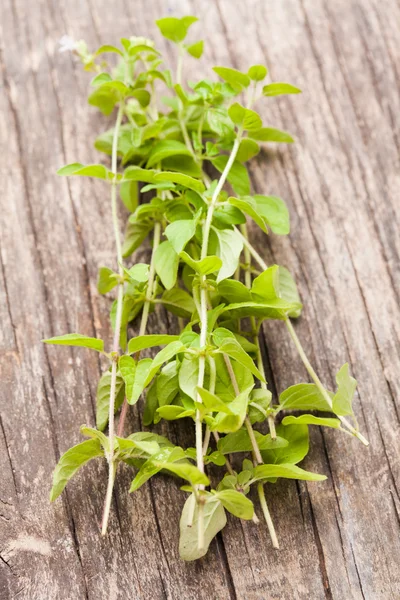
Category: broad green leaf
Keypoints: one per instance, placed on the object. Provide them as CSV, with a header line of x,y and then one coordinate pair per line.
x,y
142,96
236,113
220,123
232,348
185,180
234,291
223,385
257,72
187,471
135,173
163,356
107,280
247,150
71,461
95,434
249,206
138,273
230,246
97,171
342,400
175,29
196,49
311,420
288,291
278,89
212,402
149,341
173,412
274,211
244,117
236,79
127,368
165,149
214,520
129,194
77,339
149,413
179,302
205,266
236,503
239,441
304,396
108,48
155,464
135,234
180,232
189,376
296,449
271,309
265,287
166,262
100,78
228,423
288,471
260,400
128,446
142,369
270,134
238,176
103,398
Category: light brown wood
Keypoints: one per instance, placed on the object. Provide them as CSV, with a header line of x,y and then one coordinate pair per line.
x,y
339,539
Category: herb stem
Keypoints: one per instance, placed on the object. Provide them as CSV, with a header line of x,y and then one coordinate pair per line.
x,y
267,515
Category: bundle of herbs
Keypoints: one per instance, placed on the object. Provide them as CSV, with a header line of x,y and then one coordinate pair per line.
x,y
204,270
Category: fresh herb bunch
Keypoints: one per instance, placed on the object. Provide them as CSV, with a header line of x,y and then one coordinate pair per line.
x,y
204,270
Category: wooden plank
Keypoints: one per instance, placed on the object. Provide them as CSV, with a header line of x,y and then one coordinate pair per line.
x,y
339,539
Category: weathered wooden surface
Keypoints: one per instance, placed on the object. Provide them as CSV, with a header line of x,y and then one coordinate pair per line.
x,y
339,539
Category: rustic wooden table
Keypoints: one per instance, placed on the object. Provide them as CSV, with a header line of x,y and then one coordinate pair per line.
x,y
339,539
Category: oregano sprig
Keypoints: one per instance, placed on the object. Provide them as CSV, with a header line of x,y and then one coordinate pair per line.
x,y
204,270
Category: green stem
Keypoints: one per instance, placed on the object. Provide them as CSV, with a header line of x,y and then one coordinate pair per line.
x,y
301,351
267,516
117,235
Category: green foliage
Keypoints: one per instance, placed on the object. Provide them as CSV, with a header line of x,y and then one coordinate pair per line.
x,y
203,269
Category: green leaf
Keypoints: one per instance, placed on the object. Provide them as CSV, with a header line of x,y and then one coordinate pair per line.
x,y
188,472
95,434
278,89
249,206
179,302
223,385
127,368
138,273
232,348
212,403
129,194
296,448
103,398
142,342
342,400
149,413
173,412
189,376
135,173
155,464
239,441
288,291
257,72
97,171
184,180
76,339
214,520
220,123
274,211
270,134
196,49
288,471
234,291
180,232
230,246
107,280
236,503
142,370
163,356
175,29
205,266
166,262
303,396
236,79
108,48
135,235
70,462
260,401
244,117
266,286
311,420
227,423
165,149
247,150
238,176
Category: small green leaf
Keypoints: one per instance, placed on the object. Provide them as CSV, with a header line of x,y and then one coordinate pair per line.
x,y
97,171
175,29
179,302
205,266
212,402
236,503
266,286
142,370
77,339
257,72
249,206
188,472
70,462
274,211
236,79
185,180
142,342
247,150
244,117
138,273
288,291
129,194
108,48
238,176
196,49
127,368
163,356
232,348
103,398
270,134
135,173
230,246
279,89
294,451
189,376
239,441
166,148
288,471
95,434
180,232
214,520
155,464
303,396
135,234
172,412
311,420
107,280
227,423
166,262
342,400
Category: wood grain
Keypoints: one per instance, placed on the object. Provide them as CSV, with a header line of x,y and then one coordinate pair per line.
x,y
339,539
